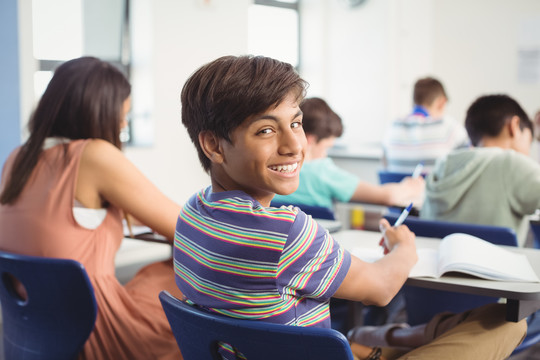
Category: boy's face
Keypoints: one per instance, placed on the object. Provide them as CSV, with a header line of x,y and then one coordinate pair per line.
x,y
265,154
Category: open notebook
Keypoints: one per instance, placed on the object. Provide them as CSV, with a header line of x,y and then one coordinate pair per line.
x,y
465,254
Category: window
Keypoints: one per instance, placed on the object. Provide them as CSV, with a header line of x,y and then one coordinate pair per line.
x,y
67,29
274,30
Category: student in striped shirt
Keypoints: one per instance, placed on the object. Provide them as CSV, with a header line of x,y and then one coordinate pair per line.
x,y
236,255
424,135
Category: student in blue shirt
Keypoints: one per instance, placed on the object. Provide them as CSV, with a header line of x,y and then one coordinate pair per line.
x,y
322,182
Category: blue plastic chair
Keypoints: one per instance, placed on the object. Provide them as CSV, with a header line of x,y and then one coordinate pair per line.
x,y
198,333
317,212
535,228
436,228
55,318
422,303
386,176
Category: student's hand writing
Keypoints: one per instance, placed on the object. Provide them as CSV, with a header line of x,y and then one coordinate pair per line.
x,y
393,236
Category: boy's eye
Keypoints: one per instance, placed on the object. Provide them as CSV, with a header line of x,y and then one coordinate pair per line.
x,y
265,131
296,124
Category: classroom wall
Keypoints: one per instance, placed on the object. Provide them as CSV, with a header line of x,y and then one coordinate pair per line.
x,y
186,34
476,47
9,70
363,60
370,54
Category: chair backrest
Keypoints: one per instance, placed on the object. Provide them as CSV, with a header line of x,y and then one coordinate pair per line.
x,y
434,228
317,212
198,333
535,228
57,314
421,304
386,176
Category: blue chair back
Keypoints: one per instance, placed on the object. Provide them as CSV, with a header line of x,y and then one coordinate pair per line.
x,y
535,228
498,235
57,314
422,303
198,333
317,212
386,176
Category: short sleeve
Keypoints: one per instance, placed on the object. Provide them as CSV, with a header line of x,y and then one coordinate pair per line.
x,y
312,263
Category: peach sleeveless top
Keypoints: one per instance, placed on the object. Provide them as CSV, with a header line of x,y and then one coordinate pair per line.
x,y
130,323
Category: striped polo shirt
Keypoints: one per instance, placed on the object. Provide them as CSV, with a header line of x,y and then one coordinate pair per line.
x,y
235,257
419,138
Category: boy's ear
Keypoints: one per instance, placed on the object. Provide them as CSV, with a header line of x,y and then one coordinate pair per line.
x,y
440,102
513,125
210,145
312,139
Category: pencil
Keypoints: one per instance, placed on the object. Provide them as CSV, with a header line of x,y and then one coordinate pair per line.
x,y
418,170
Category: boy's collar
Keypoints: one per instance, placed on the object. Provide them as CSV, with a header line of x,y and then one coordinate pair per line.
x,y
220,195
420,110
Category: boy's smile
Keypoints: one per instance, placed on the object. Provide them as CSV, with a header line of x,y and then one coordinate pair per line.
x,y
265,154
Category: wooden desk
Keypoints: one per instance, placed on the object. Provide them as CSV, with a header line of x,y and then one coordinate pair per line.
x,y
522,298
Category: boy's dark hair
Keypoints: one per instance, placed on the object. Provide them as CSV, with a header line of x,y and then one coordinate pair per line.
x,y
426,90
490,113
320,120
222,94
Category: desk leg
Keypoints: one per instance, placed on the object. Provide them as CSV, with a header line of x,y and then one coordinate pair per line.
x,y
520,309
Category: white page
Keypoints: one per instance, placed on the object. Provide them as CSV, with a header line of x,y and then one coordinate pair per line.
x,y
427,263
471,255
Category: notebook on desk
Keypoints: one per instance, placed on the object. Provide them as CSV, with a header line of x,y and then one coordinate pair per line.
x,y
466,254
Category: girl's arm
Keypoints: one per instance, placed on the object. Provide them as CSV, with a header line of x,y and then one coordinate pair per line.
x,y
106,175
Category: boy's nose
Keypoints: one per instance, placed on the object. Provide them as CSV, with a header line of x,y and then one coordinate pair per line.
x,y
292,143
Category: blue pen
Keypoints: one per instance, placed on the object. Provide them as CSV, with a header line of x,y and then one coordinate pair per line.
x,y
403,215
418,170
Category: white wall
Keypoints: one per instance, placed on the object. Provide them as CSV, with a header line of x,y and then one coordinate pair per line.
x,y
476,47
186,35
363,60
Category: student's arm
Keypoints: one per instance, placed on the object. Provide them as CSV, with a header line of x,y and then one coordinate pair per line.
x,y
521,178
106,175
377,283
390,194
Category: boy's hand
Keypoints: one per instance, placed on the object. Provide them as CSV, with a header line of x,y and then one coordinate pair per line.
x,y
393,236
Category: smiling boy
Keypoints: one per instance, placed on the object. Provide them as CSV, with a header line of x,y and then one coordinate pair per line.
x,y
236,255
